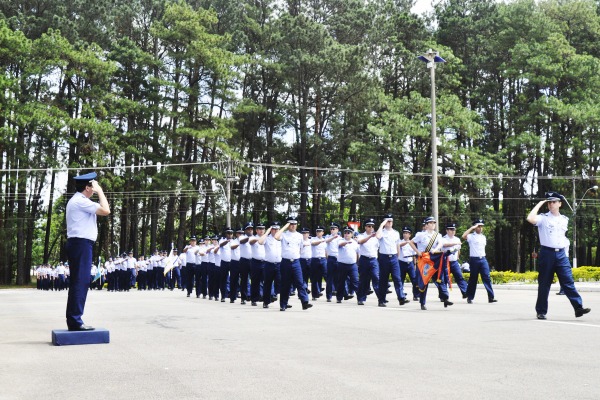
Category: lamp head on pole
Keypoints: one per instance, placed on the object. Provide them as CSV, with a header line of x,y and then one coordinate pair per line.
x,y
431,57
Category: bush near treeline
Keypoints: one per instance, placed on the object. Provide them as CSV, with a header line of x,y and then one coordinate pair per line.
x,y
581,274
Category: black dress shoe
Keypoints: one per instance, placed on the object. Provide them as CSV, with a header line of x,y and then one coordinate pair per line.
x,y
348,297
465,295
232,301
81,328
360,303
243,302
339,301
282,309
306,306
423,307
492,301
447,303
253,303
561,293
541,316
578,313
389,291
223,301
415,298
188,295
265,305
369,292
469,301
288,306
329,300
381,304
403,301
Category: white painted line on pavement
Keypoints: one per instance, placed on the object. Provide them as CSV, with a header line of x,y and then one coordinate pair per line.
x,y
568,323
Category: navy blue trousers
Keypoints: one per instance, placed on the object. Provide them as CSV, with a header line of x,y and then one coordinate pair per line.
x,y
368,269
256,274
479,265
79,252
458,276
388,265
270,272
305,265
330,276
190,274
318,270
234,279
245,267
552,262
224,278
408,268
349,272
291,272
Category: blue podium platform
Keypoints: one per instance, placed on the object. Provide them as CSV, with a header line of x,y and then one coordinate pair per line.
x,y
64,337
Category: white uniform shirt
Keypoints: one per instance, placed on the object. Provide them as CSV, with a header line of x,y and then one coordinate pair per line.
x,y
81,217
258,251
318,251
406,252
272,248
245,248
347,254
552,230
370,247
60,269
291,245
422,239
333,247
142,266
225,251
388,244
477,242
235,253
306,251
192,252
131,261
453,256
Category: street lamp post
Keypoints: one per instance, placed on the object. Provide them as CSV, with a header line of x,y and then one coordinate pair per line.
x,y
574,209
431,58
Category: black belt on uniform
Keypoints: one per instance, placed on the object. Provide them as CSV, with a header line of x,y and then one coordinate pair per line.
x,y
368,258
552,248
388,255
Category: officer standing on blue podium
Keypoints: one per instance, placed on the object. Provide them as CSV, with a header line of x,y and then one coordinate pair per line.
x,y
552,227
82,232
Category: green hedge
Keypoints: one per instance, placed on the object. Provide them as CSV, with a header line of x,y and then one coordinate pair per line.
x,y
581,274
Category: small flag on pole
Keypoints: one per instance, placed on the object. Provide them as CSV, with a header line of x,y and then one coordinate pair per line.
x,y
170,260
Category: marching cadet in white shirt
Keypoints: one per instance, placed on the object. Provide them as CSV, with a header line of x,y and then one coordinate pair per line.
x,y
477,261
318,266
291,270
368,266
271,272
347,268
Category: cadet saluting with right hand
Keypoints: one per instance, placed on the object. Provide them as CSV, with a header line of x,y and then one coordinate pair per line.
x,y
552,227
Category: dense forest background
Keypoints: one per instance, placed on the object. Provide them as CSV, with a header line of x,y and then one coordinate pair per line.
x,y
314,107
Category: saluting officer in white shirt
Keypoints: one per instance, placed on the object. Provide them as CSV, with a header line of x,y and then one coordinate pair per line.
x,y
82,232
389,241
291,270
552,227
477,261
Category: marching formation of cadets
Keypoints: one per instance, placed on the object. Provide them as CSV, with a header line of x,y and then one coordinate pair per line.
x,y
262,263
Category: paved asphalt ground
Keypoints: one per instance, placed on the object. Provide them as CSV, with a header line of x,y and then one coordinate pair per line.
x,y
166,346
